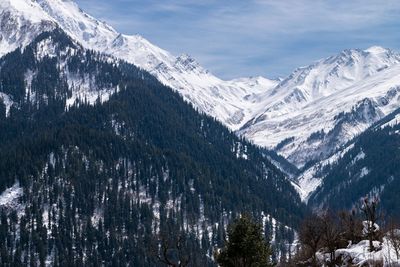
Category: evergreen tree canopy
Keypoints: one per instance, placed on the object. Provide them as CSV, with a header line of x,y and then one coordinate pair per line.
x,y
246,245
103,159
369,168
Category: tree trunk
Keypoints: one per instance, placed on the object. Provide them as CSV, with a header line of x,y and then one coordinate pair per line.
x,y
371,244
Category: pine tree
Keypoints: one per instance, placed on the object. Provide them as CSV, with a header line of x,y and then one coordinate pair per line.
x,y
246,245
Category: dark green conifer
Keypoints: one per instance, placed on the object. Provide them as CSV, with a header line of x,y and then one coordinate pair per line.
x,y
246,245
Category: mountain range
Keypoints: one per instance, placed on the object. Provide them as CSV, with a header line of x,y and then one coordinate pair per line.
x,y
101,163
335,98
368,167
310,135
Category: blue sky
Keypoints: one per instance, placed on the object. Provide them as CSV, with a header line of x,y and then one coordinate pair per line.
x,y
235,38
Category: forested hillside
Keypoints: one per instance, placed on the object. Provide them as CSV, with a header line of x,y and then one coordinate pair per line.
x,y
370,168
100,163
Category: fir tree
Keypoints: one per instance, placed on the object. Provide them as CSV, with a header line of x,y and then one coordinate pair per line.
x,y
246,245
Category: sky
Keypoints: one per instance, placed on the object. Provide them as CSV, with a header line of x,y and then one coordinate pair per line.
x,y
239,38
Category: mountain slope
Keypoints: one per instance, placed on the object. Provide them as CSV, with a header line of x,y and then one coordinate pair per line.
x,y
306,117
20,22
368,168
231,102
94,183
318,108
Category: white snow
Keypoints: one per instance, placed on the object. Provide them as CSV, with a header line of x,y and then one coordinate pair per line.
x,y
375,50
7,102
359,254
383,253
308,183
232,102
30,10
366,225
20,22
275,224
98,215
395,121
310,179
45,48
364,172
311,98
359,156
267,111
10,196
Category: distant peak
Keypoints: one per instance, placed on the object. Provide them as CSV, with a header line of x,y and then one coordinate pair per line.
x,y
185,57
188,63
376,50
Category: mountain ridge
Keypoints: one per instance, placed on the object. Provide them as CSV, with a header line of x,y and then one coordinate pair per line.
x,y
122,174
195,84
366,167
311,99
305,117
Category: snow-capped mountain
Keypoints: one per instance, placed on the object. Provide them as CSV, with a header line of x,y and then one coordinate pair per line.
x,y
74,78
144,156
305,116
318,108
368,166
232,102
20,22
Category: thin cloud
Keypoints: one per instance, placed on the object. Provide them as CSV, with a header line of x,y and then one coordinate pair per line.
x,y
255,37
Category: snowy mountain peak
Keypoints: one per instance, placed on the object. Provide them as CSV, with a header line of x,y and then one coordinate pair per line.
x,y
376,50
337,72
185,57
227,101
187,63
320,106
287,113
20,22
27,10
259,84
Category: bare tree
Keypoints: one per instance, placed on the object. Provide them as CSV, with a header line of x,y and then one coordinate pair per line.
x,y
369,208
331,235
351,227
393,236
311,234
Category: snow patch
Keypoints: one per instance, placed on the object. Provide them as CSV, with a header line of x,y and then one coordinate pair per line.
x,y
359,254
10,196
376,50
45,48
364,172
359,156
83,89
312,178
7,101
395,121
98,215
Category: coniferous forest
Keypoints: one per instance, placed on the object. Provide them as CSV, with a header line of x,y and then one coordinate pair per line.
x,y
100,182
116,152
370,168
